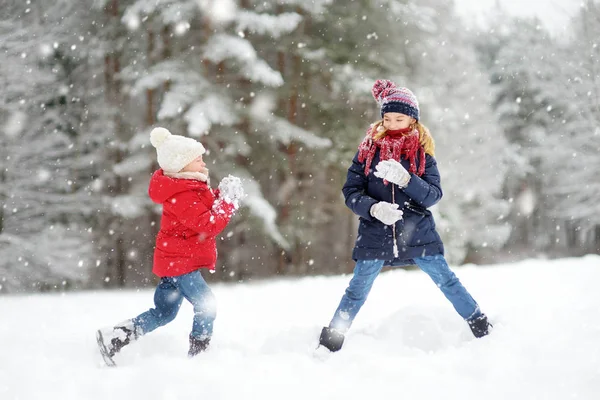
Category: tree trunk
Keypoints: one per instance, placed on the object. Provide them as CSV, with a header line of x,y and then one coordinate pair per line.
x,y
150,112
114,244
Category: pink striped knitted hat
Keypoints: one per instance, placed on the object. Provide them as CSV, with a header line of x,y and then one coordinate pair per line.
x,y
394,99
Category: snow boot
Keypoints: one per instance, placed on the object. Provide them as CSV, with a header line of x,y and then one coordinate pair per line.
x,y
197,345
112,340
331,339
480,326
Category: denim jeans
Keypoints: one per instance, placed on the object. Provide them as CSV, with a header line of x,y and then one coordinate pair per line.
x,y
169,295
366,271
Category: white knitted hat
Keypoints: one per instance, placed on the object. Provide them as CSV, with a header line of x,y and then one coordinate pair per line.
x,y
174,152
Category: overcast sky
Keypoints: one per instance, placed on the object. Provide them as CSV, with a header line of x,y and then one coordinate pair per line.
x,y
554,13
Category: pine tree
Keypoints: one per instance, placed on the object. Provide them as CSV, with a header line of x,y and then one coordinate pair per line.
x,y
456,99
43,242
572,150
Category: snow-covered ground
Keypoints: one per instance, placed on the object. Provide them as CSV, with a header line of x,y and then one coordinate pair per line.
x,y
407,342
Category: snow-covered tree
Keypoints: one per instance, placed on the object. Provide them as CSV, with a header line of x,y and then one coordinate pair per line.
x,y
279,92
456,98
539,104
43,241
572,151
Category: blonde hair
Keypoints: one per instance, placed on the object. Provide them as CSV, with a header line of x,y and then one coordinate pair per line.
x,y
425,138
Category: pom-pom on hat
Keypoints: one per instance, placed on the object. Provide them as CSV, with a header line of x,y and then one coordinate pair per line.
x,y
173,151
394,99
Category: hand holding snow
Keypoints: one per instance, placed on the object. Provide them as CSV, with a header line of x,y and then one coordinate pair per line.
x,y
387,213
231,190
392,171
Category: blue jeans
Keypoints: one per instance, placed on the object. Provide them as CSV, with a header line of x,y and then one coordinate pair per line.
x,y
168,297
366,271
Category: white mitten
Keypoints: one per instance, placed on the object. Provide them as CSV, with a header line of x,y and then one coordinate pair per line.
x,y
231,190
392,171
387,213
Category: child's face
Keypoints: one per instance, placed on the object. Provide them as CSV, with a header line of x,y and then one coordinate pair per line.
x,y
198,165
394,121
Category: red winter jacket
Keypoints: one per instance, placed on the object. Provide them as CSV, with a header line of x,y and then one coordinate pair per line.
x,y
189,224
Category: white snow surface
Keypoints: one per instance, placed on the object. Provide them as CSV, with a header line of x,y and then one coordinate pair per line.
x,y
407,342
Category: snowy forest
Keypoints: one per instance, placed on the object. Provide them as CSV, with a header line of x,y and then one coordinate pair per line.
x,y
278,91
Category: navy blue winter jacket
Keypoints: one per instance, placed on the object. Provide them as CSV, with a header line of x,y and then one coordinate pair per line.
x,y
415,232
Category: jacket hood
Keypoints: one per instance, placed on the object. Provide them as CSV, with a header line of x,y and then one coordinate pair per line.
x,y
163,187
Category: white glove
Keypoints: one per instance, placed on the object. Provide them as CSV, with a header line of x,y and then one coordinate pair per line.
x,y
387,213
231,190
392,171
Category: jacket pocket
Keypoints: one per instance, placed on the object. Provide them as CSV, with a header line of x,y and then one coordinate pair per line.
x,y
372,234
415,208
419,230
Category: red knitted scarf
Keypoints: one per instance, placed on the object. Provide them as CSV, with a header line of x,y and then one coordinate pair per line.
x,y
394,145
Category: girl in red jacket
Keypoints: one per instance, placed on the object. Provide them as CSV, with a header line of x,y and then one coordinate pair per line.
x,y
193,215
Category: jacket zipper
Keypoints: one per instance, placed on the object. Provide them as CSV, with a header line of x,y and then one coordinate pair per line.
x,y
394,226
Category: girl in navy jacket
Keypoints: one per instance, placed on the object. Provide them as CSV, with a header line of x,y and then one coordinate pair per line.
x,y
392,182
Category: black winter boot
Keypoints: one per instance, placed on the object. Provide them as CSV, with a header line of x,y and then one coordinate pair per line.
x,y
197,345
331,339
480,326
